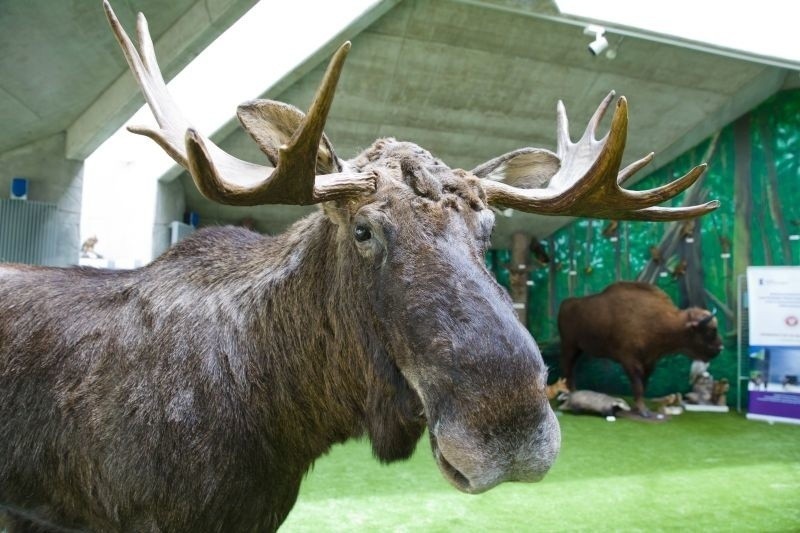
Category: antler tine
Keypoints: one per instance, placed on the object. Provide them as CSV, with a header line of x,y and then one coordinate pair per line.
x,y
309,135
651,197
220,176
168,115
585,163
563,141
633,168
295,173
666,214
148,77
588,182
599,113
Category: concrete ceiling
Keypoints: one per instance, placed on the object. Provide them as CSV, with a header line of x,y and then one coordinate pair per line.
x,y
466,79
473,80
61,69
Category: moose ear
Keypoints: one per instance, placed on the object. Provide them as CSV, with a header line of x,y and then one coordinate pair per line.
x,y
271,124
526,168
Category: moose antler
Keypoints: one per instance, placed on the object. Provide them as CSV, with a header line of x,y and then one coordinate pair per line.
x,y
588,182
227,179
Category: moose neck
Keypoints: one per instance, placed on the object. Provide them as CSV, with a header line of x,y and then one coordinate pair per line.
x,y
313,362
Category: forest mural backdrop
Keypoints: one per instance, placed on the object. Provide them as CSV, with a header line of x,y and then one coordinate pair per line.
x,y
754,172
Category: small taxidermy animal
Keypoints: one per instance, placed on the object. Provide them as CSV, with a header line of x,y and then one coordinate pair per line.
x,y
539,251
697,369
611,228
702,390
670,399
559,386
671,404
587,401
680,269
87,248
719,393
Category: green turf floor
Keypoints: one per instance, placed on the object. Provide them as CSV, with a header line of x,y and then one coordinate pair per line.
x,y
696,472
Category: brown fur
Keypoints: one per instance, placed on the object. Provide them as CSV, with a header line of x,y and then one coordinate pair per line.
x,y
635,324
194,393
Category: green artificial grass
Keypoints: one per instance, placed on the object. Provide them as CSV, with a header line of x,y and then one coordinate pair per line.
x,y
695,472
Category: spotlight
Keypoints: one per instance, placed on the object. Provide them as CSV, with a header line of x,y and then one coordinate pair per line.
x,y
600,42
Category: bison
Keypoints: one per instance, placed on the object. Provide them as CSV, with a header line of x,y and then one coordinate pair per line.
x,y
194,393
635,324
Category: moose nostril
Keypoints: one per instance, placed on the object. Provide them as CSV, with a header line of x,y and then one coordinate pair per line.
x,y
451,473
456,475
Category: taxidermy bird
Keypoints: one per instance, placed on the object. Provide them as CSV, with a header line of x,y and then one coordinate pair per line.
x,y
655,254
611,228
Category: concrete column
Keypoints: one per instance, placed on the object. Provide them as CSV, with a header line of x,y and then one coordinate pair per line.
x,y
52,178
519,271
170,206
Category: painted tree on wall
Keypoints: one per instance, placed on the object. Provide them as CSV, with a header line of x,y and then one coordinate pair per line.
x,y
776,173
681,245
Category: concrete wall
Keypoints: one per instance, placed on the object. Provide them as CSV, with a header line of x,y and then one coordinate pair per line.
x,y
52,178
170,206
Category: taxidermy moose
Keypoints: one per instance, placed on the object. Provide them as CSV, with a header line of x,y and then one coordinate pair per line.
x,y
194,393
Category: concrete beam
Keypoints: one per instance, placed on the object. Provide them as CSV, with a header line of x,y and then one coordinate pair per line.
x,y
322,55
744,100
195,30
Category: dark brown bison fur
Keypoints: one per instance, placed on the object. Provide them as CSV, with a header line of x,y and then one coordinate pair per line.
x,y
194,393
635,324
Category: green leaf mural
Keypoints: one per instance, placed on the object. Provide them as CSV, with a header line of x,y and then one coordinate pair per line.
x,y
754,172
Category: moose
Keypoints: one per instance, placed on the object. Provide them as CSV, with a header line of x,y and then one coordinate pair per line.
x,y
635,324
194,393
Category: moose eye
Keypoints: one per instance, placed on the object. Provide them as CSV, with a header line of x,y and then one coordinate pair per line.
x,y
362,233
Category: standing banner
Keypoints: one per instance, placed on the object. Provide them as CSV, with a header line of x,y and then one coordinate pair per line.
x,y
773,296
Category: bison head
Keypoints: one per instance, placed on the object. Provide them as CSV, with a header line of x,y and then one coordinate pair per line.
x,y
705,342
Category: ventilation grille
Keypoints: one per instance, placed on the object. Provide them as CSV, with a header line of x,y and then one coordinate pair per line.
x,y
27,232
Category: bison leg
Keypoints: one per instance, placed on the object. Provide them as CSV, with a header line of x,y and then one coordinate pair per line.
x,y
639,374
646,373
569,357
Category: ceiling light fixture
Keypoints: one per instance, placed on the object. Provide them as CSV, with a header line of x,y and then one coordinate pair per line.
x,y
600,42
